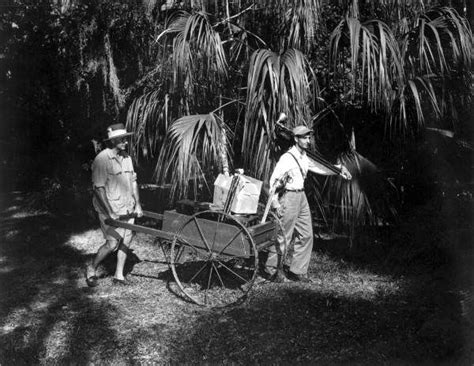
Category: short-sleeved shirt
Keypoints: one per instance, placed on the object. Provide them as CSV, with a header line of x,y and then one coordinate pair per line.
x,y
297,165
116,174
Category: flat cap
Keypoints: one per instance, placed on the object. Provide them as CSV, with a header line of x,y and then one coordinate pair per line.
x,y
301,131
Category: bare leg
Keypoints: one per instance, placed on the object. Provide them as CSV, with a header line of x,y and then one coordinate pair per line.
x,y
108,247
122,252
121,258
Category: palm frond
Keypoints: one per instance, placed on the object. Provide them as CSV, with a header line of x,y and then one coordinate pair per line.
x,y
198,54
243,43
428,37
403,77
375,59
431,55
302,19
348,204
147,118
191,153
458,35
366,199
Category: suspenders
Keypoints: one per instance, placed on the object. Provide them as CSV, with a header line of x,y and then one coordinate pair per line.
x,y
299,166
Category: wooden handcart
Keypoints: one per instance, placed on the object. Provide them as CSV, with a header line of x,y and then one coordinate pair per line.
x,y
213,255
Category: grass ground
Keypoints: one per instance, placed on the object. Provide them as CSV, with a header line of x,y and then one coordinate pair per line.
x,y
371,305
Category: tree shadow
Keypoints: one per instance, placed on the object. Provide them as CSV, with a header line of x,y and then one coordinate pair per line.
x,y
45,314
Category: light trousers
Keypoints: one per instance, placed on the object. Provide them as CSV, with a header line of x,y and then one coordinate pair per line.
x,y
297,227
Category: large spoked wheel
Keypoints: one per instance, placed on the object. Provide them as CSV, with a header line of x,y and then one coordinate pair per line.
x,y
214,259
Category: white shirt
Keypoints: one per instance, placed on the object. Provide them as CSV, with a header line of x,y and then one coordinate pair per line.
x,y
287,163
116,174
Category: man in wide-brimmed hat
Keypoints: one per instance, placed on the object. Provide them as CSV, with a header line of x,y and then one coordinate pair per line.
x,y
292,206
115,194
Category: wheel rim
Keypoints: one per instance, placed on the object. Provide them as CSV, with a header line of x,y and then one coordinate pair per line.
x,y
214,259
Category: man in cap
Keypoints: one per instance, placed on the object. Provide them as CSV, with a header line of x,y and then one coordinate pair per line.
x,y
115,194
292,206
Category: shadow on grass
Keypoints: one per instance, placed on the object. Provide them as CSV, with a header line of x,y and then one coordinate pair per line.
x,y
45,316
427,237
298,325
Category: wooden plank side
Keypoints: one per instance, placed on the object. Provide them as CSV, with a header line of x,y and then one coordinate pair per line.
x,y
217,237
210,235
263,233
173,220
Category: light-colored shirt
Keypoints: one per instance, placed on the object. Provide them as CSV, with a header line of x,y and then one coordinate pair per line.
x,y
116,174
289,163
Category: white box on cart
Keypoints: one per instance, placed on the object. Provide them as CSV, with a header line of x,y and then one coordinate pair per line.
x,y
246,197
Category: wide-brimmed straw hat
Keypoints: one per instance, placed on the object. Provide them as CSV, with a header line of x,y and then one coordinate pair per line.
x,y
116,131
301,131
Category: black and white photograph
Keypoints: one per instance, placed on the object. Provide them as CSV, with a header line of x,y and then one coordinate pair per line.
x,y
237,182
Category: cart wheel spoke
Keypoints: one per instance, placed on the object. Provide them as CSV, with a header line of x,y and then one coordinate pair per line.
x,y
218,221
180,253
218,274
185,243
233,272
206,290
230,242
201,234
191,280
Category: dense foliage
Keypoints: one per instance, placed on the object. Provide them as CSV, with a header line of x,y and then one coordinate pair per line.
x,y
386,85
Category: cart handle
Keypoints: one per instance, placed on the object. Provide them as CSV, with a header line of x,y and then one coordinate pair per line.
x,y
149,214
121,218
127,216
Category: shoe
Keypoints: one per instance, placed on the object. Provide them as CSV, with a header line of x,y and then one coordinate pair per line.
x,y
278,277
92,281
298,277
118,282
264,274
